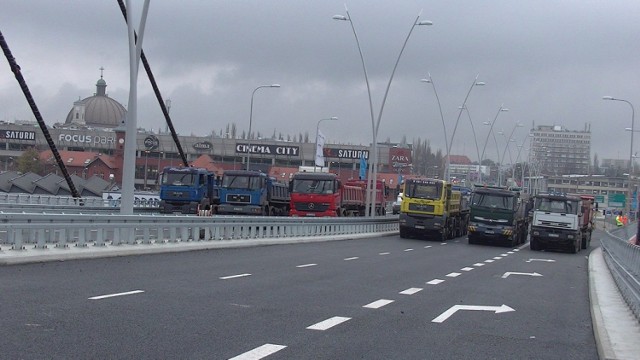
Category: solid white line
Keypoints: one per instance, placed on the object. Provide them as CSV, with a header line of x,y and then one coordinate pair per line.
x,y
478,264
384,253
454,274
352,258
410,291
306,265
259,352
114,295
234,276
329,323
466,269
378,304
435,282
408,249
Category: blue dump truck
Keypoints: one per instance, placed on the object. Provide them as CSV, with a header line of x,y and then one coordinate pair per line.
x,y
187,190
253,193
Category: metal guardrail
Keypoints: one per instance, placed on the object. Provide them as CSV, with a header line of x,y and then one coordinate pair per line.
x,y
623,260
16,199
39,231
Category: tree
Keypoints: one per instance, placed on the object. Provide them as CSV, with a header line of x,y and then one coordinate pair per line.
x,y
29,161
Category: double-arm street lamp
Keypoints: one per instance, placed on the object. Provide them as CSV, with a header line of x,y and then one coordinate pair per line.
x,y
484,148
633,112
318,132
251,119
375,125
509,140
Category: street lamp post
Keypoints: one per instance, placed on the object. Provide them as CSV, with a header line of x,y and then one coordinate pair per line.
x,y
504,152
484,148
475,138
373,169
627,203
444,126
318,132
146,158
251,119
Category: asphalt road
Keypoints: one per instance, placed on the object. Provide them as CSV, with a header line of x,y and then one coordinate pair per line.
x,y
383,298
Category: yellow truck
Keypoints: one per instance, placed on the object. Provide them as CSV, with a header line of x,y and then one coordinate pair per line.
x,y
430,207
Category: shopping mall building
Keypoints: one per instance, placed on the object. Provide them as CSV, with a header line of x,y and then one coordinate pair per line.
x,y
91,143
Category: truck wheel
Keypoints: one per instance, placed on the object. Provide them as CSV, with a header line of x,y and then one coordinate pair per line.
x,y
445,234
576,246
403,232
472,240
533,244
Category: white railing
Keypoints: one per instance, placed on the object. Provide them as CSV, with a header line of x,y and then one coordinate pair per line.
x,y
40,231
623,260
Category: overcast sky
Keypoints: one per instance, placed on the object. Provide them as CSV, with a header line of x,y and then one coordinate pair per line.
x,y
548,62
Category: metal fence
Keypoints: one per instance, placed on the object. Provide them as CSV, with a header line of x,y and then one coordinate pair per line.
x,y
623,260
40,231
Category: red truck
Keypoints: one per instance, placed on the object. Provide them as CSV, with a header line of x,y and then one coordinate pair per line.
x,y
380,198
318,194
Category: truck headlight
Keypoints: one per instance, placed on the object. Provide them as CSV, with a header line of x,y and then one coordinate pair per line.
x,y
569,236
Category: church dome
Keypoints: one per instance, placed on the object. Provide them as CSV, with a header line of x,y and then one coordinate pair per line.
x,y
98,110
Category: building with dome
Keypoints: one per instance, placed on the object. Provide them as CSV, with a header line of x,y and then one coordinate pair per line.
x,y
98,111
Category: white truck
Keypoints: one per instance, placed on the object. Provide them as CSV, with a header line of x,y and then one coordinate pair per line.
x,y
557,223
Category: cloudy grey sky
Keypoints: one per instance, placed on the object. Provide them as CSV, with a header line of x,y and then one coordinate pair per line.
x,y
548,62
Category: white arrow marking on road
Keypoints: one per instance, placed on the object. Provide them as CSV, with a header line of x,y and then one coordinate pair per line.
x,y
452,310
506,275
545,260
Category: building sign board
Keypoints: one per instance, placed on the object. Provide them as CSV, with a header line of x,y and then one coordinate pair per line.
x,y
345,153
18,135
86,139
151,142
268,149
203,145
399,157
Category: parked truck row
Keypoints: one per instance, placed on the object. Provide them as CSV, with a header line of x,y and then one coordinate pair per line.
x,y
240,192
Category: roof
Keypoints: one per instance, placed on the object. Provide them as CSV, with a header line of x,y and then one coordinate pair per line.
x,y
26,182
50,183
77,158
205,161
459,159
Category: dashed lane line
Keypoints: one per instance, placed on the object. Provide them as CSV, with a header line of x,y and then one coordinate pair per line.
x,y
435,282
306,265
428,246
454,274
478,264
378,304
408,250
384,253
497,258
114,295
489,261
410,291
466,269
259,352
234,276
351,258
329,323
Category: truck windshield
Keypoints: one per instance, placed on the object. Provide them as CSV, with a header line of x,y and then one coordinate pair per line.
x,y
178,179
310,186
492,201
241,182
423,191
557,206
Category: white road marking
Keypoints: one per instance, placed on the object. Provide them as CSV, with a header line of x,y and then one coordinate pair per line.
x,y
497,258
489,261
453,274
509,252
466,269
352,258
329,323
408,249
452,310
443,243
306,265
517,249
435,282
384,253
114,295
504,254
234,276
410,291
259,352
506,275
428,246
544,260
478,264
378,304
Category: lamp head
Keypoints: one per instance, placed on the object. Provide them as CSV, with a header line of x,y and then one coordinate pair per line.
x,y
340,17
480,83
425,80
274,85
607,98
425,22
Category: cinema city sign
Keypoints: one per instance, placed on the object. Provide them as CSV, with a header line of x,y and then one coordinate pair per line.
x,y
268,149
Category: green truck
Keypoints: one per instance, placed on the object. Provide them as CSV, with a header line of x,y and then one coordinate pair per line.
x,y
498,215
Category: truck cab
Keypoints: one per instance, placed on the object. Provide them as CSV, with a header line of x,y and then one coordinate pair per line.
x,y
252,193
497,216
556,223
187,189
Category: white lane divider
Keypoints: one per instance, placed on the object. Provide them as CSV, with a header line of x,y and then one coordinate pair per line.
x,y
453,274
504,254
306,265
114,295
489,261
408,250
259,352
384,253
410,291
497,258
351,258
478,264
435,282
233,276
378,304
443,243
428,246
329,323
466,269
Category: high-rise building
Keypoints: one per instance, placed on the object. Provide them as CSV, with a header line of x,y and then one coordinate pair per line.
x,y
558,151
